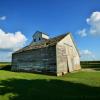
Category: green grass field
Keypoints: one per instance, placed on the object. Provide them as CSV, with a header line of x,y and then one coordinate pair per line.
x,y
28,86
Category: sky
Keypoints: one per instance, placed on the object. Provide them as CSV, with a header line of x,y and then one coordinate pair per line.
x,y
20,19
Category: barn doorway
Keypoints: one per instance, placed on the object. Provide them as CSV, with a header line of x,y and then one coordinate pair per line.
x,y
70,58
67,66
70,64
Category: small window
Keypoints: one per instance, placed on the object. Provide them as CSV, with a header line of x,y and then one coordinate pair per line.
x,y
34,40
39,38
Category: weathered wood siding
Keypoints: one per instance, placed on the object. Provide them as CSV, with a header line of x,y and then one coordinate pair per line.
x,y
39,37
39,60
68,58
61,60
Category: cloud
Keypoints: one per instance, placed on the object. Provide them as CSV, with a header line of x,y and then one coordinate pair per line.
x,y
6,50
3,18
94,22
10,42
5,57
94,25
87,55
85,52
82,33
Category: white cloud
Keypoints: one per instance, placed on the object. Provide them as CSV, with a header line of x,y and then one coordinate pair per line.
x,y
87,55
3,18
10,42
85,52
82,33
94,22
5,56
94,25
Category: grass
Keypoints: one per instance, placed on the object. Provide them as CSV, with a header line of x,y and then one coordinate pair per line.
x,y
28,86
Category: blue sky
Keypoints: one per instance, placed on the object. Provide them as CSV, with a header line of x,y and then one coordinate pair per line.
x,y
21,18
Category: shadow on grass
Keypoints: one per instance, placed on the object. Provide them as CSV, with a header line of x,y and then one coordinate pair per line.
x,y
40,89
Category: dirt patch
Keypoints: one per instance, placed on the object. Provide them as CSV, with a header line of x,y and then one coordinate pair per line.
x,y
91,69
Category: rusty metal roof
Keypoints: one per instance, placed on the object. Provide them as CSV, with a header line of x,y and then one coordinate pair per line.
x,y
46,43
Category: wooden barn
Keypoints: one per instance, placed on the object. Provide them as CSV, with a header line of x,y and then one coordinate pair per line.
x,y
58,55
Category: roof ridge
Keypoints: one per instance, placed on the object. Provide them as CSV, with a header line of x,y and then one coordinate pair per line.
x,y
49,42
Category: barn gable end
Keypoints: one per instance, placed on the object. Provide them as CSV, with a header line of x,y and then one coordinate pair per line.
x,y
67,53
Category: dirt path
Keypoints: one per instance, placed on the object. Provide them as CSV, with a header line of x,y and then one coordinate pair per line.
x,y
91,69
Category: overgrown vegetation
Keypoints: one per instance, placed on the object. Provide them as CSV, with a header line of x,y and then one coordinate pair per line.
x,y
28,86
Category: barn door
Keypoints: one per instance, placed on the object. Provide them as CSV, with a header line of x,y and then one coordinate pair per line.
x,y
70,64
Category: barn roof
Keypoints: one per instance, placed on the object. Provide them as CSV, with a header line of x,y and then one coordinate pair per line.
x,y
46,43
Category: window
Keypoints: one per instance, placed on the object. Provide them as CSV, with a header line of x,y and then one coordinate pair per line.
x,y
34,40
39,38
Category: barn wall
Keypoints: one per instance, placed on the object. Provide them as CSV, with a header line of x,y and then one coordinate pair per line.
x,y
61,60
39,60
67,53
